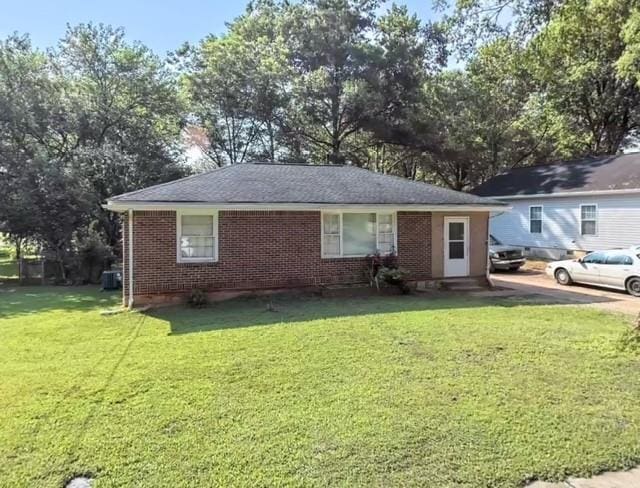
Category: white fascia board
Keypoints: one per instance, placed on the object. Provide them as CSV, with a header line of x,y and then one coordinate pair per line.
x,y
117,206
566,194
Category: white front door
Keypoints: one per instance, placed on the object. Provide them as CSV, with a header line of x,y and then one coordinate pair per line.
x,y
456,246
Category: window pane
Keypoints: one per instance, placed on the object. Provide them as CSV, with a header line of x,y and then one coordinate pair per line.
x,y
595,258
588,212
535,213
359,234
331,223
197,225
385,223
196,247
588,228
619,259
456,231
385,243
331,245
385,248
456,250
535,226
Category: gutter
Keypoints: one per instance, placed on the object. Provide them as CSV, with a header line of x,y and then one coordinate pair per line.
x,y
116,206
565,194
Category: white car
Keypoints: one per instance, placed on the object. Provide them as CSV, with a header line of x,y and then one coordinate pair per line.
x,y
619,269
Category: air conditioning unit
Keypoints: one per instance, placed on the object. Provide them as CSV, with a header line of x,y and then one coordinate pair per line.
x,y
111,280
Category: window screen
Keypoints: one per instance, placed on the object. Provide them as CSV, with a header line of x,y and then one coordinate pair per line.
x,y
588,220
197,237
535,220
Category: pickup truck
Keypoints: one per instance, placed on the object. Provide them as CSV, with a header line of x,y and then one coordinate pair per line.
x,y
503,257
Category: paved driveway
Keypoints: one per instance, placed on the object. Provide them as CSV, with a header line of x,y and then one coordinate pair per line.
x,y
538,283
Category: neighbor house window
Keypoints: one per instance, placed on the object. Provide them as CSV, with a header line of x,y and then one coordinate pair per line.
x,y
588,220
351,234
535,219
197,237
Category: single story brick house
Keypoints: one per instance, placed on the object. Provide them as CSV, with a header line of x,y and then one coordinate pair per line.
x,y
260,227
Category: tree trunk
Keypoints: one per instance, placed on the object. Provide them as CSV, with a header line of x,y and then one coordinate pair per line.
x,y
18,245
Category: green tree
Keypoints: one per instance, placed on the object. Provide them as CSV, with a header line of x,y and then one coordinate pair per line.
x,y
237,87
334,72
574,60
126,114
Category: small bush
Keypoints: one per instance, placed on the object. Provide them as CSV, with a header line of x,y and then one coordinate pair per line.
x,y
394,276
630,340
197,298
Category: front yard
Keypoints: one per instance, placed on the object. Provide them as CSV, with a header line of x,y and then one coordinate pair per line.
x,y
391,391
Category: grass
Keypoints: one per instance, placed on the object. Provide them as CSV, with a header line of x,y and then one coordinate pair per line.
x,y
383,392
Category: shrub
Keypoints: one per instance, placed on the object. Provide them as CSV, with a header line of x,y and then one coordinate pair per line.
x,y
197,298
94,256
377,261
630,340
393,276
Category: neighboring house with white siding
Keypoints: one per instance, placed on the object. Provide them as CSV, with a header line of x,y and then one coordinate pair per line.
x,y
569,208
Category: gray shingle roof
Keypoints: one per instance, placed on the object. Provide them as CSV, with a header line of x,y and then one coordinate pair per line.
x,y
298,183
593,174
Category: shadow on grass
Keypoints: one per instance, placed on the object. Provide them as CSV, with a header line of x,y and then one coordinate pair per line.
x,y
21,300
252,312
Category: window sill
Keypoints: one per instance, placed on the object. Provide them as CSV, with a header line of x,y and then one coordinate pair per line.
x,y
360,256
197,261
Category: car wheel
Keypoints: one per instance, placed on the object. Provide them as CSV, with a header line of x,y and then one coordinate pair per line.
x,y
633,286
492,268
562,276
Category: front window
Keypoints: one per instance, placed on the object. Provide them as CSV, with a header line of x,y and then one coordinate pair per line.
x,y
197,236
588,220
494,242
351,234
595,258
535,219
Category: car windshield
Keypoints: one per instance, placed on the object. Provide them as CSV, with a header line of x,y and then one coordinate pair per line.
x,y
494,241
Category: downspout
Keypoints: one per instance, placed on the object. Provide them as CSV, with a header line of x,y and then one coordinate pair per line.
x,y
130,219
488,267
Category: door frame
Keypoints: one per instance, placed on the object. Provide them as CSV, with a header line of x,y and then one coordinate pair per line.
x,y
452,219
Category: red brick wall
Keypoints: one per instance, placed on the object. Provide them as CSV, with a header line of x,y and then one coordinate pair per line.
x,y
260,249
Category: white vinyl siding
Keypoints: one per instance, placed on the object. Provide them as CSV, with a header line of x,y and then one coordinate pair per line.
x,y
357,234
618,223
197,237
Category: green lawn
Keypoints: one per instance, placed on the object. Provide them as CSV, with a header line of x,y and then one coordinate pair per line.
x,y
384,392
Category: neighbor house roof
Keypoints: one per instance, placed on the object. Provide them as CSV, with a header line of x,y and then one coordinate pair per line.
x,y
587,175
263,184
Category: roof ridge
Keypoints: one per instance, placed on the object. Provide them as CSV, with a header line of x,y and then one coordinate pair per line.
x,y
273,163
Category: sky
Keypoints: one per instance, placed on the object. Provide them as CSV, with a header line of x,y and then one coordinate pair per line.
x,y
162,25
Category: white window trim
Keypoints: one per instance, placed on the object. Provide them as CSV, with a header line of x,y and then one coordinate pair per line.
x,y
340,213
541,207
212,213
595,234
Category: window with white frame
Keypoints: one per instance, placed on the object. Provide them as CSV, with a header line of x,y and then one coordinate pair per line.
x,y
535,219
197,237
588,220
352,234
